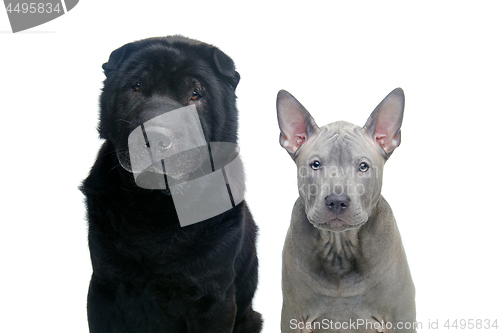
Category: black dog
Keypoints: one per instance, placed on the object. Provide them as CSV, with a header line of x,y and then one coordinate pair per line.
x,y
149,273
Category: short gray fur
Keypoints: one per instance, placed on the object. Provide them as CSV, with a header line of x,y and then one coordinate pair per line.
x,y
343,258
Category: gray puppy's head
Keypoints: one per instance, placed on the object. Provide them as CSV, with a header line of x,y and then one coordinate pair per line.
x,y
339,166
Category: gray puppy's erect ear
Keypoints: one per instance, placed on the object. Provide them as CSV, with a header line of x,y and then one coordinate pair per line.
x,y
295,122
384,124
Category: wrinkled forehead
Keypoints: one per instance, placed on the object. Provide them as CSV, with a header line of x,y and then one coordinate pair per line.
x,y
341,140
343,134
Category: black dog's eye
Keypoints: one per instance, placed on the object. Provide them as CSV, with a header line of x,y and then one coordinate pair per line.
x,y
363,167
195,95
315,165
136,87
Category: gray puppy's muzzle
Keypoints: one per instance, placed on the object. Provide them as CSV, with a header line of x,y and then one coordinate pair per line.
x,y
169,151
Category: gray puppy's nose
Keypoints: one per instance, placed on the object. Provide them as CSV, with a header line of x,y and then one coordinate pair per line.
x,y
337,203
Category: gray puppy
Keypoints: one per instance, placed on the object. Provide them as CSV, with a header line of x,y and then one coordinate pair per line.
x,y
344,265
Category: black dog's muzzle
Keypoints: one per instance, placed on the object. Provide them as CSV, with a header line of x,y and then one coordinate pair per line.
x,y
170,152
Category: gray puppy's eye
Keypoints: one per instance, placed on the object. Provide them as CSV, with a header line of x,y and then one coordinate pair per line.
x,y
363,167
315,165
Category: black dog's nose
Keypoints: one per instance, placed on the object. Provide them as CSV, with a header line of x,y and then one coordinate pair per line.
x,y
158,139
337,203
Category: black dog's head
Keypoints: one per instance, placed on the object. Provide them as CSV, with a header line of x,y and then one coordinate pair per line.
x,y
147,78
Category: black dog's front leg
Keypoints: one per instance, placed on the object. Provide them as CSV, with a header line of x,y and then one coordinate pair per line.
x,y
102,312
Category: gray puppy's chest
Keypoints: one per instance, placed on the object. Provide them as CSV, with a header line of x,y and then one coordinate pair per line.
x,y
339,279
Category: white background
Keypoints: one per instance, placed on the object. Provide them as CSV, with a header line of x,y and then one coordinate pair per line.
x,y
339,59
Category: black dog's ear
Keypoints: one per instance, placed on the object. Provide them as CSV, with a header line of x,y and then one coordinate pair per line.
x,y
117,56
225,65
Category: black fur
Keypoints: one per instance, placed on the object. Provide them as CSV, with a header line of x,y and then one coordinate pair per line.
x,y
149,274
